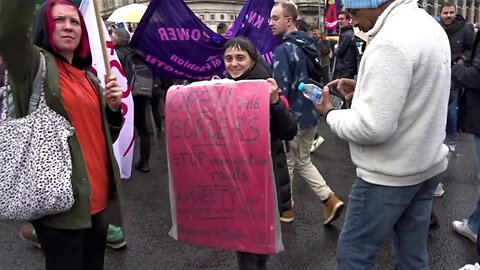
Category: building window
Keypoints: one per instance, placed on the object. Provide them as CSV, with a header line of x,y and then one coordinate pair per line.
x,y
201,17
212,17
222,17
108,3
232,17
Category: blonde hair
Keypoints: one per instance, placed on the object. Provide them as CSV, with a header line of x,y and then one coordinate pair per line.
x,y
288,2
290,8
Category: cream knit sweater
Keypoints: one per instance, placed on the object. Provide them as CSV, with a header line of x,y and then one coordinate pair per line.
x,y
396,125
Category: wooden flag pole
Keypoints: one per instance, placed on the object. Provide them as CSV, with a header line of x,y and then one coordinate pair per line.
x,y
102,40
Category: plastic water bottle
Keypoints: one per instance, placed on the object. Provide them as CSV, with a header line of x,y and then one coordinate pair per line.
x,y
314,93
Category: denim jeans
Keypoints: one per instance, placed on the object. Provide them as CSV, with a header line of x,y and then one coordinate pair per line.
x,y
474,218
451,128
477,156
375,213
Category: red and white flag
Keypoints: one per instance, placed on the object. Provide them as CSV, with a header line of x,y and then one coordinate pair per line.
x,y
123,147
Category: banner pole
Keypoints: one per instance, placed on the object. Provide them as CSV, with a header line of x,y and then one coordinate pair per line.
x,y
102,40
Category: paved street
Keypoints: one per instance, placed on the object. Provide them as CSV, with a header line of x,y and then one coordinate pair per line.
x,y
309,244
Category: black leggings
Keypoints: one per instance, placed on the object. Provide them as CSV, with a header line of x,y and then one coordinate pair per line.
x,y
82,249
250,261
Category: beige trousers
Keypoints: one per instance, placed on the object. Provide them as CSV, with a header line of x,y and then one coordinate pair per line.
x,y
298,159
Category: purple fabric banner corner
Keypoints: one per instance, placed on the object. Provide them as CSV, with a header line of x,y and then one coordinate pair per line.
x,y
178,45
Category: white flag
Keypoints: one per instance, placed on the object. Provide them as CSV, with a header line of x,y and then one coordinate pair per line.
x,y
123,147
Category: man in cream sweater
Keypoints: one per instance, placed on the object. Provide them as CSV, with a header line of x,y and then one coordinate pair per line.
x,y
396,128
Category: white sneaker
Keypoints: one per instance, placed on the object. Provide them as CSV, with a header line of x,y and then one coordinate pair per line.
x,y
439,191
452,151
316,143
461,227
476,266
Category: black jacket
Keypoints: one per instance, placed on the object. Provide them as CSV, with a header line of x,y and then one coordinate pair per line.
x,y
283,127
346,54
461,39
123,52
468,76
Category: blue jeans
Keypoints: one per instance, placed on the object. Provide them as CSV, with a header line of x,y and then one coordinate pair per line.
x,y
375,213
474,218
451,128
477,155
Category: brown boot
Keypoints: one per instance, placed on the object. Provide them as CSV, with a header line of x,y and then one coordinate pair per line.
x,y
286,216
333,209
27,233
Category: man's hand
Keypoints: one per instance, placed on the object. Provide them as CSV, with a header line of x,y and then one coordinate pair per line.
x,y
345,87
113,94
274,96
325,106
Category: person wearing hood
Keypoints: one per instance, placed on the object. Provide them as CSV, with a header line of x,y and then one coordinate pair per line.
x,y
289,70
346,51
461,39
74,239
395,129
244,62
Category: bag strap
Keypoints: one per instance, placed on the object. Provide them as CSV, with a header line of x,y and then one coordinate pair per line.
x,y
38,83
4,97
8,106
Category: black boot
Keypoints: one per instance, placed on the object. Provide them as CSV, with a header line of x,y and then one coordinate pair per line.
x,y
434,225
142,166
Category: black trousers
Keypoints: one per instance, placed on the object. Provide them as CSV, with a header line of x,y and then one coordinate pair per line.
x,y
325,75
250,261
155,103
143,123
74,249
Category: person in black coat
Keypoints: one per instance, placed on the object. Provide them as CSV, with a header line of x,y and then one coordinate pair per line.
x,y
244,62
468,76
461,38
346,53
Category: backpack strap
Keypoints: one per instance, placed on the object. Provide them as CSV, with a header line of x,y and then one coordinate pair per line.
x,y
307,55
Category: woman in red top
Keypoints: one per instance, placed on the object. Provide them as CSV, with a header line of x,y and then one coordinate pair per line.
x,y
74,239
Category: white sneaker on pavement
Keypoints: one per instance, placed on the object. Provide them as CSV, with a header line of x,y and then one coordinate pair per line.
x,y
439,191
316,143
452,151
461,227
475,266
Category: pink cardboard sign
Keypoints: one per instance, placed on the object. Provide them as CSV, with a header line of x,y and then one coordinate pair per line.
x,y
221,180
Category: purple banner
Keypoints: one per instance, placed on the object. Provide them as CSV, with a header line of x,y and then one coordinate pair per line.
x,y
178,45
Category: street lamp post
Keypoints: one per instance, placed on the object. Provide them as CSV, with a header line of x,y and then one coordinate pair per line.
x,y
321,17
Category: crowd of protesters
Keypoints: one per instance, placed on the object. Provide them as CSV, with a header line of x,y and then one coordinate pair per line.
x,y
414,85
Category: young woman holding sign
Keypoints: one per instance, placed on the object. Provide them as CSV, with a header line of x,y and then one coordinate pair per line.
x,y
244,62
